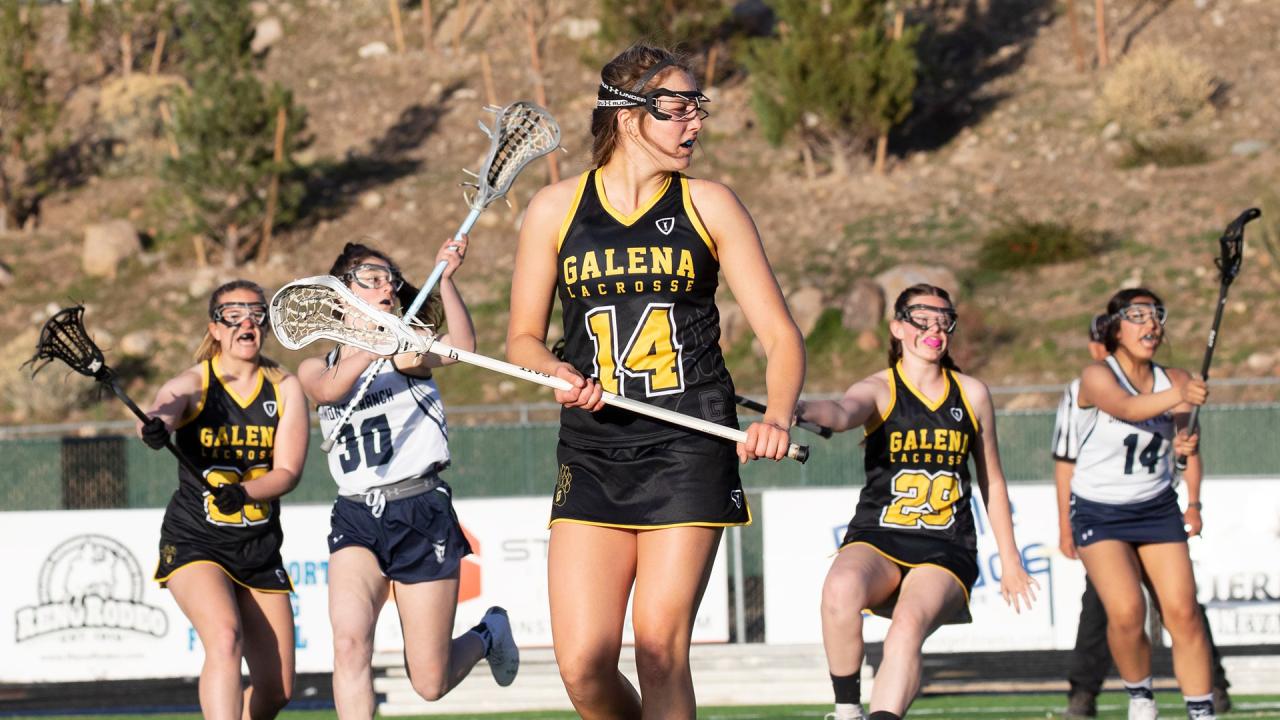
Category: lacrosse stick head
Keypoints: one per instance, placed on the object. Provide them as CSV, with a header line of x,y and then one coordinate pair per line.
x,y
64,338
324,308
1231,245
521,133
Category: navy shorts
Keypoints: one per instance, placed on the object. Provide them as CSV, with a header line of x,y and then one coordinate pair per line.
x,y
416,539
1158,520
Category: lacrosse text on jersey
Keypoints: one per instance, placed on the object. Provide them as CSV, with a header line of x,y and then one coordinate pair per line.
x,y
615,271
240,442
929,445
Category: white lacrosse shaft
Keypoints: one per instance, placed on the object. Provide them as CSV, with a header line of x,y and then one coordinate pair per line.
x,y
795,451
418,301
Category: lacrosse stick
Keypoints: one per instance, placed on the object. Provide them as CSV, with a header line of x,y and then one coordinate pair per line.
x,y
322,307
522,132
801,423
64,338
1232,247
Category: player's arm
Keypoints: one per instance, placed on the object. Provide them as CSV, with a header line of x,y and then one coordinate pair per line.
x,y
1099,387
1065,452
1016,585
174,399
863,400
747,272
293,432
462,332
328,384
533,287
1188,446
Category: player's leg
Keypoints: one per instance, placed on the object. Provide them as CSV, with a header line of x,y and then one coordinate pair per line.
x,y
436,661
207,596
859,578
1117,575
928,595
590,571
267,619
357,592
672,570
1168,567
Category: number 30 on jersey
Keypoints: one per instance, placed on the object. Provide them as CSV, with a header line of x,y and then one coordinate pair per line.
x,y
652,352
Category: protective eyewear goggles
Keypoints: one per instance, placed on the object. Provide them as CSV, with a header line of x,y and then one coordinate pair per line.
x,y
1142,313
234,314
661,103
923,317
374,277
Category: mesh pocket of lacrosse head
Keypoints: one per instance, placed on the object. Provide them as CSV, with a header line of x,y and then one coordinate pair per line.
x,y
64,338
523,132
302,314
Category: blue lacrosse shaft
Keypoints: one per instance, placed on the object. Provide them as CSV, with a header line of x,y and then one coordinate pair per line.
x,y
422,295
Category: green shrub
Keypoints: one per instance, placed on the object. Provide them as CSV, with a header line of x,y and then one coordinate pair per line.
x,y
1024,243
1155,88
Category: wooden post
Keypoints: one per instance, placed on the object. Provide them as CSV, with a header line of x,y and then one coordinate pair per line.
x,y
486,72
273,190
157,55
461,25
539,88
713,54
1100,22
167,117
202,259
232,247
126,53
394,6
428,28
882,142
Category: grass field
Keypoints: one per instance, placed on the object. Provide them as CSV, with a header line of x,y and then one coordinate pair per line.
x,y
1112,706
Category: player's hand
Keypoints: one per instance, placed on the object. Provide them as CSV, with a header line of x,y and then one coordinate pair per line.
x,y
1192,521
1016,586
1186,445
154,433
1194,391
230,499
586,393
452,252
1067,543
764,440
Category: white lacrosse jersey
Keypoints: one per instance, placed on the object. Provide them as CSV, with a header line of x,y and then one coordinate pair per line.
x,y
1066,430
397,432
1121,462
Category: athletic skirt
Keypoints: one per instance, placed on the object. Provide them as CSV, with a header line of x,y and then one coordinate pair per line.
x,y
907,551
255,563
1158,520
690,480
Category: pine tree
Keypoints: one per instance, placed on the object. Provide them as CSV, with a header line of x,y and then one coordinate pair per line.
x,y
26,113
833,74
225,129
694,26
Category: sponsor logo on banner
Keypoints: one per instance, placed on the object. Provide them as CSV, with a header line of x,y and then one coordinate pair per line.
x,y
90,584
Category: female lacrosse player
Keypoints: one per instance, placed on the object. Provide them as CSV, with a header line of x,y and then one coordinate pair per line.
x,y
633,248
910,552
1125,519
393,524
243,421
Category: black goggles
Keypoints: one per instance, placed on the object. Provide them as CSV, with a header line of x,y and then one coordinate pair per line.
x,y
661,103
923,317
234,314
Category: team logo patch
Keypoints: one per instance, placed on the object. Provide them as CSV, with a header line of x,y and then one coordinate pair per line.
x,y
281,576
270,408
665,225
563,480
736,497
957,413
439,548
168,553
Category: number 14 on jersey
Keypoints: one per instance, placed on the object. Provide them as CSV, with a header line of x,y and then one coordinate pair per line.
x,y
652,352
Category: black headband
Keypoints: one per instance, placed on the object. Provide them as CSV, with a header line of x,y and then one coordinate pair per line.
x,y
610,96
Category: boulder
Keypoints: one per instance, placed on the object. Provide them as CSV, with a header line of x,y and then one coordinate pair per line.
x,y
374,49
106,245
896,279
863,306
138,344
806,307
266,33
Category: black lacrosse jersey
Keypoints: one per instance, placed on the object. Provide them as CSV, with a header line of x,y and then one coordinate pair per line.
x,y
230,439
917,464
638,299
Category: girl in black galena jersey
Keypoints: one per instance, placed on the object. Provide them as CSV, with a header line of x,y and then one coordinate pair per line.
x,y
633,250
243,422
910,552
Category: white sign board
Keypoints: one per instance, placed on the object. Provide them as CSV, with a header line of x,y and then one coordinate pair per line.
x,y
83,606
803,529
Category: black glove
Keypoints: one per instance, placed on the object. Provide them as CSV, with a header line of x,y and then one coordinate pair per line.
x,y
230,499
154,433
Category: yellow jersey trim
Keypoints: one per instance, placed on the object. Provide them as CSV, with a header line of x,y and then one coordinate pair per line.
x,y
573,210
875,423
904,563
620,526
932,405
204,394
244,403
973,417
231,577
629,220
694,219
